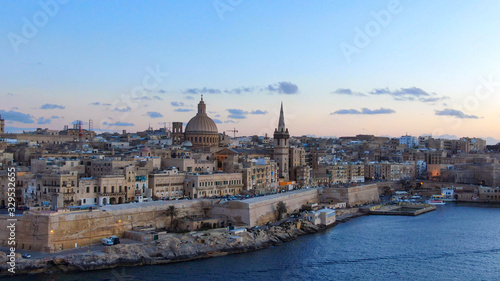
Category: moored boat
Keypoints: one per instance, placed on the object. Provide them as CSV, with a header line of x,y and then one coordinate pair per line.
x,y
436,202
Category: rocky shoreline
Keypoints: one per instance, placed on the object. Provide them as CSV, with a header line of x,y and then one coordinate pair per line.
x,y
176,248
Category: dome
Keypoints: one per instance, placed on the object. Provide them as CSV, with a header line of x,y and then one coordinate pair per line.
x,y
201,123
187,144
145,149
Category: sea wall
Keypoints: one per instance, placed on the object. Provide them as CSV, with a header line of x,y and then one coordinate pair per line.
x,y
53,231
174,248
261,210
354,196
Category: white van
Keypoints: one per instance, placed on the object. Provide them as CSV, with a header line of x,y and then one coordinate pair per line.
x,y
107,242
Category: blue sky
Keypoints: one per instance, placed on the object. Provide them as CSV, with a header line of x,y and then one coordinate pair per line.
x,y
415,67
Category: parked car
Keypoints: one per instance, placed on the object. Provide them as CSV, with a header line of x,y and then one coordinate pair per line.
x,y
115,239
26,256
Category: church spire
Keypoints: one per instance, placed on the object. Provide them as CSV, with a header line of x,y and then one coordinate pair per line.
x,y
281,124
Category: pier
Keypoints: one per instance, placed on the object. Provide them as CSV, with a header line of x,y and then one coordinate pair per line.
x,y
401,209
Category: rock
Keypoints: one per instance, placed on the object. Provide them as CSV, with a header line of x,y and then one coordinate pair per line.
x,y
181,247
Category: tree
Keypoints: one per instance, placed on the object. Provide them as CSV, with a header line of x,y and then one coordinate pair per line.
x,y
281,209
171,212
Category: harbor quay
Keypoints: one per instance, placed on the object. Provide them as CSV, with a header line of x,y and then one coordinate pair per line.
x,y
400,209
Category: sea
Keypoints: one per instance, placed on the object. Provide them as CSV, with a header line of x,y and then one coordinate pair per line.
x,y
455,242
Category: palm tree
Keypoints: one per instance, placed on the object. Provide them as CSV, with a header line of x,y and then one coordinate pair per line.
x,y
281,208
171,212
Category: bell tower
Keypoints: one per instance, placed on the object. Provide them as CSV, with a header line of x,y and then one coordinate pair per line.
x,y
2,125
281,153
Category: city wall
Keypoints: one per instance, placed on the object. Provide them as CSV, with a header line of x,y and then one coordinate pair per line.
x,y
353,196
261,210
54,231
51,231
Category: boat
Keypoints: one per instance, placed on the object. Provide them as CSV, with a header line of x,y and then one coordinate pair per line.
x,y
435,202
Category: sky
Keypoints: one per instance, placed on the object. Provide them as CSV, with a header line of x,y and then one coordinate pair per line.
x,y
340,67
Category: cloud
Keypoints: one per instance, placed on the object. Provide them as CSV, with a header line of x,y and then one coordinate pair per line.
x,y
154,114
95,103
258,111
56,117
455,113
410,94
287,88
364,111
143,98
204,90
43,121
157,98
161,91
189,97
17,116
230,121
348,92
119,124
51,106
176,103
237,113
122,109
403,94
217,121
240,90
183,110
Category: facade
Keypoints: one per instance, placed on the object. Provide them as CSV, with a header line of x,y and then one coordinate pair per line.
x,y
107,190
168,184
260,176
489,194
281,153
201,130
389,171
213,185
297,159
409,141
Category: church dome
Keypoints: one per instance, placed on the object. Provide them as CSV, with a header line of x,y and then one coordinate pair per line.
x,y
201,123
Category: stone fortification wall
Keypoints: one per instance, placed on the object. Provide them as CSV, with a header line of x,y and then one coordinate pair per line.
x,y
51,231
261,210
354,196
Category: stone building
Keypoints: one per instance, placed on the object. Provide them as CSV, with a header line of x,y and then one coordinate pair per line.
x,y
210,185
168,184
101,191
260,176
